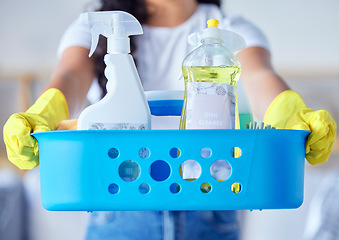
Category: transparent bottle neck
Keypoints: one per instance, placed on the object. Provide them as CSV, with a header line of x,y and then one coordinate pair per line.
x,y
211,41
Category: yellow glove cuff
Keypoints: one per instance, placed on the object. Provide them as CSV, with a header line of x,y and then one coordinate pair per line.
x,y
44,115
288,111
51,104
283,107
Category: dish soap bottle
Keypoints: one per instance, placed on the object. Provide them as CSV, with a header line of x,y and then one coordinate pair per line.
x,y
211,73
124,107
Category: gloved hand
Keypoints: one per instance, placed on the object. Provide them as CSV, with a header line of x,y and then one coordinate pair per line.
x,y
43,115
288,111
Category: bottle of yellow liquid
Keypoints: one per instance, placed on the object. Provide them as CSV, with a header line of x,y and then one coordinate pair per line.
x,y
211,73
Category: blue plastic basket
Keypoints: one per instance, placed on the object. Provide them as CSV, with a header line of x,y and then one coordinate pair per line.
x,y
80,169
98,170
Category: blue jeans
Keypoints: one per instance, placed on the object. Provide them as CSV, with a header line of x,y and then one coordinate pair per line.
x,y
163,225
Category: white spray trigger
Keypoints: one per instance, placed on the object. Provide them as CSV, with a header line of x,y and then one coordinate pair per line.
x,y
116,26
96,30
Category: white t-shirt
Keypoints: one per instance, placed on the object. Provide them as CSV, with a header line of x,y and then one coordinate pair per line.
x,y
161,50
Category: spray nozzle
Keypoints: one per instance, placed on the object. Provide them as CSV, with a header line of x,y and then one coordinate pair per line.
x,y
230,40
116,26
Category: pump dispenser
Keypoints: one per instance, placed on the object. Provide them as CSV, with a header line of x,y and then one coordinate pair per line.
x,y
211,73
124,107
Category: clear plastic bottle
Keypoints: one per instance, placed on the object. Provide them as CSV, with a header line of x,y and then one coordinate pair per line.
x,y
211,73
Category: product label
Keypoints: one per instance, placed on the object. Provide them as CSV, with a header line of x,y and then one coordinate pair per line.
x,y
210,105
117,126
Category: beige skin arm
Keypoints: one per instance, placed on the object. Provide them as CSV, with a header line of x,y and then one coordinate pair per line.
x,y
73,77
261,82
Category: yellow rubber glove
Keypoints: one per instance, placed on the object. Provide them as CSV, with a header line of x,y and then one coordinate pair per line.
x,y
288,111
43,115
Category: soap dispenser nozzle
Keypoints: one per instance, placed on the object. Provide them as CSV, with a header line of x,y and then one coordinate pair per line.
x,y
230,40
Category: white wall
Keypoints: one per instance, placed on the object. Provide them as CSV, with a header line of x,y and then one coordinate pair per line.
x,y
30,32
303,34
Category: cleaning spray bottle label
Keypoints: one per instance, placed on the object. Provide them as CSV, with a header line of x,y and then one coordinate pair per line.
x,y
210,105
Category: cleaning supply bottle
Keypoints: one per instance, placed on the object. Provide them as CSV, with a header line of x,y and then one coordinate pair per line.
x,y
124,107
211,73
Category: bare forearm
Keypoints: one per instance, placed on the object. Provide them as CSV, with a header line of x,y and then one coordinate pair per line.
x,y
261,82
261,89
75,92
73,77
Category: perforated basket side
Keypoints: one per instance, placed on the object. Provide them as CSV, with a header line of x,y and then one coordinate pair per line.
x,y
78,171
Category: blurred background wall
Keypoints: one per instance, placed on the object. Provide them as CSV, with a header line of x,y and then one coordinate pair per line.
x,y
302,34
304,42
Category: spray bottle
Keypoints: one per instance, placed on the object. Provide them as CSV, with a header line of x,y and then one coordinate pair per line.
x,y
211,74
124,107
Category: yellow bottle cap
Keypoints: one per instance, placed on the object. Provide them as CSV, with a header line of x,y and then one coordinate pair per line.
x,y
212,23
